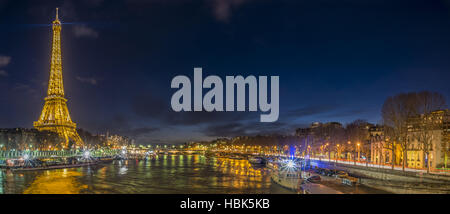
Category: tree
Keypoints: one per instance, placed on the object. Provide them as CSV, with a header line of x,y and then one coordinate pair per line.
x,y
445,145
337,137
429,120
395,112
378,145
357,133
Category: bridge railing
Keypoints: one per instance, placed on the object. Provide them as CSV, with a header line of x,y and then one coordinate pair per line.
x,y
62,153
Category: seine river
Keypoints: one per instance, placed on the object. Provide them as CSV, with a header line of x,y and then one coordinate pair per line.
x,y
165,174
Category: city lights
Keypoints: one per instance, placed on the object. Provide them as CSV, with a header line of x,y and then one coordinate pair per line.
x,y
340,130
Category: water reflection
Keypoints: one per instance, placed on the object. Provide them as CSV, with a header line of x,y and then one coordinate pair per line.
x,y
56,182
163,174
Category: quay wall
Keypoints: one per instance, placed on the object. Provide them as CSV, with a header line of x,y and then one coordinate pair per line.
x,y
406,187
393,180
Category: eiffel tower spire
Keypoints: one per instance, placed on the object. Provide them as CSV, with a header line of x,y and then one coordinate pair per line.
x,y
55,116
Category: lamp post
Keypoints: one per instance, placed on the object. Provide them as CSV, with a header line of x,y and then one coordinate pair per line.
x,y
337,151
359,151
349,158
329,152
336,157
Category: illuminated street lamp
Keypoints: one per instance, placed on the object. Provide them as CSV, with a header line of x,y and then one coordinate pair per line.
x,y
349,158
358,150
87,154
290,164
337,148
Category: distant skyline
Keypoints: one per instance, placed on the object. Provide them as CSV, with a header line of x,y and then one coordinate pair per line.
x,y
337,61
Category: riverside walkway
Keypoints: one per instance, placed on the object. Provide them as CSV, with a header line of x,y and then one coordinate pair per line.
x,y
379,166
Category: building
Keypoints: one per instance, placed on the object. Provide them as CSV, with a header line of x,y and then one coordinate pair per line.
x,y
316,127
425,133
429,133
380,153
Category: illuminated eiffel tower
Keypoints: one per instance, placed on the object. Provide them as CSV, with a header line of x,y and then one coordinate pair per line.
x,y
55,115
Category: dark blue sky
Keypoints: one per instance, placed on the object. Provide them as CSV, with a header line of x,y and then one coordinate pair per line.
x,y
337,60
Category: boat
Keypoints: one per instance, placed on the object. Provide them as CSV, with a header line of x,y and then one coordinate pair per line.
x,y
64,166
236,157
38,164
256,160
271,165
288,176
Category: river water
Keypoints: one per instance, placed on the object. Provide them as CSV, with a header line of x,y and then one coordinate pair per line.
x,y
177,174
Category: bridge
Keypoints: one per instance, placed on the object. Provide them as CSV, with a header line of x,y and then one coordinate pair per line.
x,y
14,154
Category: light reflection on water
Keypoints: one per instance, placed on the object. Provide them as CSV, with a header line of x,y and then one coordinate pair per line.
x,y
164,174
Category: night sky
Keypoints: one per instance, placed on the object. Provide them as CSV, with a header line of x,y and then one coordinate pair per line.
x,y
338,60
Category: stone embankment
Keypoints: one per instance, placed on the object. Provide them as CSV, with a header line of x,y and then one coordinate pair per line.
x,y
393,180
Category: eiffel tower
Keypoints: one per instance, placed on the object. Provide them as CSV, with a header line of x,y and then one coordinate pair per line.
x,y
55,115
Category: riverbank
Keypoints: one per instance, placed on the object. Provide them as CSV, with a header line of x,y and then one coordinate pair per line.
x,y
392,180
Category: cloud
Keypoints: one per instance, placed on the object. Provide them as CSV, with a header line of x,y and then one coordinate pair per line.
x,y
4,61
225,130
68,10
20,87
136,132
234,129
222,9
346,113
153,106
3,4
93,3
3,73
310,110
88,80
84,31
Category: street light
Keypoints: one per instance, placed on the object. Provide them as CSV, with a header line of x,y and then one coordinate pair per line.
x,y
358,150
87,154
337,155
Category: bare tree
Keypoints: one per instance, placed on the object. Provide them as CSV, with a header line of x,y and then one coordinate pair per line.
x,y
337,137
428,121
446,143
396,111
357,134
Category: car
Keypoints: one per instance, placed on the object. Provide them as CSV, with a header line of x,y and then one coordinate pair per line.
x,y
341,174
325,172
331,173
314,179
318,170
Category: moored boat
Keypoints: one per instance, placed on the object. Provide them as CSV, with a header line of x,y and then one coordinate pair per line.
x,y
21,169
288,176
236,157
256,160
21,165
